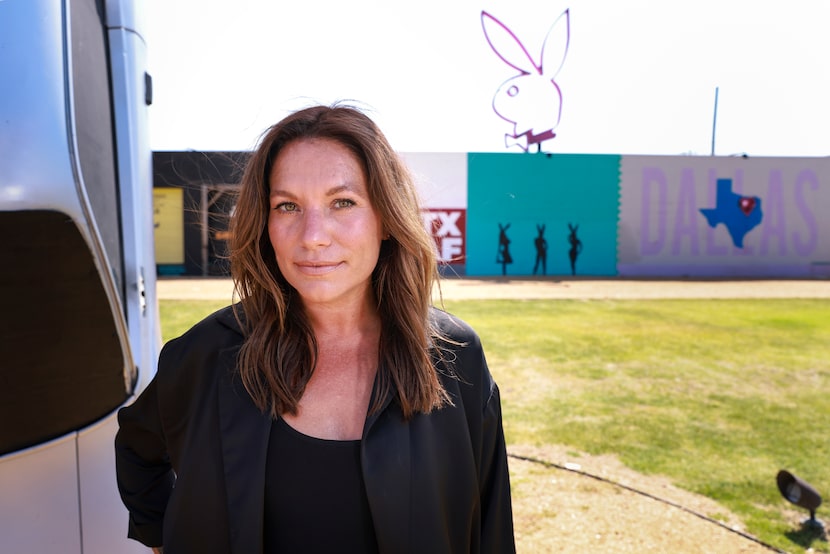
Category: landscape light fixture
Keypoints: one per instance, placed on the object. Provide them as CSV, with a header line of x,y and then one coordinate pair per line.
x,y
802,494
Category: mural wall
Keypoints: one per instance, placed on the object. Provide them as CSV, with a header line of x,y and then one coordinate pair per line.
x,y
628,216
536,214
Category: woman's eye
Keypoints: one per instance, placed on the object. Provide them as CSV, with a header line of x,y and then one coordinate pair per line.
x,y
286,207
343,203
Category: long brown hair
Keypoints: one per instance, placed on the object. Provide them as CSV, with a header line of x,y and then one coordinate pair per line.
x,y
279,352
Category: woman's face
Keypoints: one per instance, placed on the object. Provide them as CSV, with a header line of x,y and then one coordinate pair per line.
x,y
324,230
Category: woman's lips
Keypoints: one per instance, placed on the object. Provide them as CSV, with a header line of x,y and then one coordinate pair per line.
x,y
317,268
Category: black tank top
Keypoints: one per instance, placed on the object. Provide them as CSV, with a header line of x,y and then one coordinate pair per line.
x,y
315,501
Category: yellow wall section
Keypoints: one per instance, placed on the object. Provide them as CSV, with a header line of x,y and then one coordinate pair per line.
x,y
168,224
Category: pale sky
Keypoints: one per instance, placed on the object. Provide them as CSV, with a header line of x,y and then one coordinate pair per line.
x,y
639,76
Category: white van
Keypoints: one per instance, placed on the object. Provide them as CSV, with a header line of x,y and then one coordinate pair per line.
x,y
79,328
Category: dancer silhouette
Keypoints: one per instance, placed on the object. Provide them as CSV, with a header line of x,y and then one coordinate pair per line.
x,y
576,247
503,256
541,250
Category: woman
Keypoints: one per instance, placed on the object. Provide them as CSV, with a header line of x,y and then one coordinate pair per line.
x,y
332,408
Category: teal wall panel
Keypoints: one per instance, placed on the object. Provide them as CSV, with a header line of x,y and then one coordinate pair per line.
x,y
522,192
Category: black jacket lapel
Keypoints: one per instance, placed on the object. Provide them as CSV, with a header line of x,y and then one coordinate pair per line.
x,y
387,475
244,432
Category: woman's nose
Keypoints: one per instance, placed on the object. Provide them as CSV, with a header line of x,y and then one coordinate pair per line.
x,y
315,229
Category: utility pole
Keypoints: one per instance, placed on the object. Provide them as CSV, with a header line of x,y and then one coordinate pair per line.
x,y
715,121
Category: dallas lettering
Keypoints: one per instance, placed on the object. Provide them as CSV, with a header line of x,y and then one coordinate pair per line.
x,y
680,223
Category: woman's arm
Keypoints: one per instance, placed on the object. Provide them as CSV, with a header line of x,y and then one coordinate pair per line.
x,y
496,505
479,396
143,470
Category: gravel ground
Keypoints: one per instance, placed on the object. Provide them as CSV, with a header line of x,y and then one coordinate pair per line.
x,y
569,502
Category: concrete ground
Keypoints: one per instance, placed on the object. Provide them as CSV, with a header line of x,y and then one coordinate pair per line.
x,y
528,288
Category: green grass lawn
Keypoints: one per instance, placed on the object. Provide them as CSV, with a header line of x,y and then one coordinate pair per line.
x,y
717,395
177,316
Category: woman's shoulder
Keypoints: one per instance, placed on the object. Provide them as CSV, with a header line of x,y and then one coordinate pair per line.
x,y
459,345
221,322
463,364
216,332
452,327
188,364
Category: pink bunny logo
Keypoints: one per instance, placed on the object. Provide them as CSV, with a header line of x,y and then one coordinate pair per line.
x,y
531,100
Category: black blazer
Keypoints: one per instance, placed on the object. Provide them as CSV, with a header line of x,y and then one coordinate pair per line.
x,y
190,455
